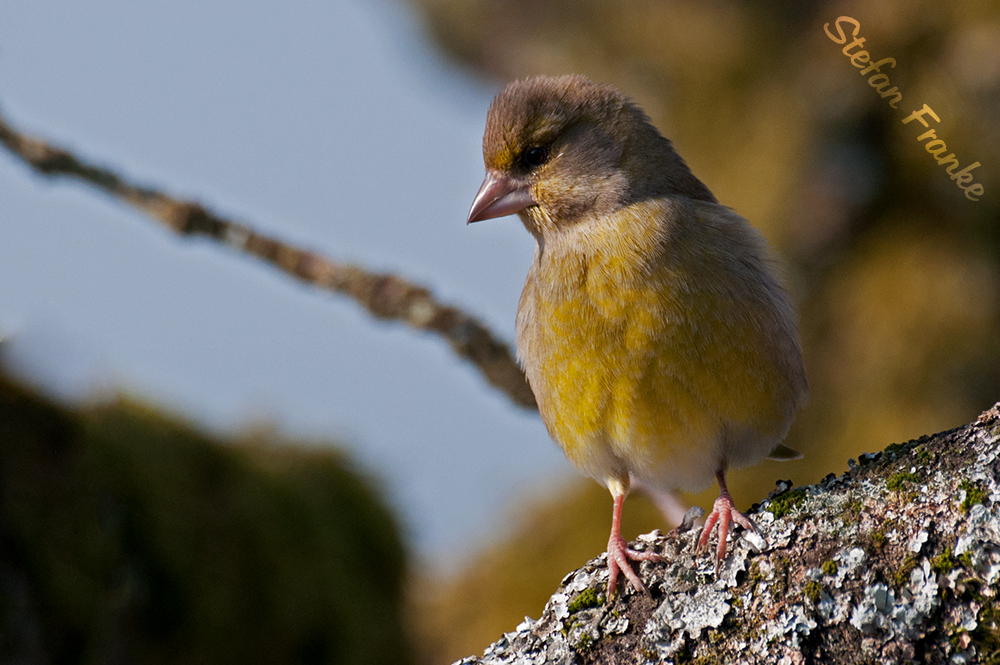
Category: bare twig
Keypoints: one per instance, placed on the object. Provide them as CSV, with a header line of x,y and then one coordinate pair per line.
x,y
384,295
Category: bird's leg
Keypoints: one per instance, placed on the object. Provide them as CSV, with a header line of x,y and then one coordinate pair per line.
x,y
619,554
723,512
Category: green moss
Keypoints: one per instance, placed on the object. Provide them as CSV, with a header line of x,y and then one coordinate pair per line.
x,y
924,456
902,576
878,538
586,599
894,447
944,563
986,636
812,590
897,481
685,658
852,512
829,567
783,504
973,495
754,576
966,559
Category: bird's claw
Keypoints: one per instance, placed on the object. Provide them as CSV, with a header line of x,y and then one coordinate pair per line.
x,y
724,513
620,556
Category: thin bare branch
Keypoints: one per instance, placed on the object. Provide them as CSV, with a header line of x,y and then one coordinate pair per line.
x,y
384,295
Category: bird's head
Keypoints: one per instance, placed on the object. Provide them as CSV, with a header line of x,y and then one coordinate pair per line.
x,y
561,150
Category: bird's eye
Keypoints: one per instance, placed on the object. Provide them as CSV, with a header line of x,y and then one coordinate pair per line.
x,y
536,156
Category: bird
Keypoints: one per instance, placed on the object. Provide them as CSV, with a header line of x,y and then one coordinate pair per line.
x,y
654,327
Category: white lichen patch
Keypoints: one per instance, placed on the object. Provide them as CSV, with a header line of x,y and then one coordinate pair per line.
x,y
872,613
982,526
916,602
705,608
918,541
847,564
792,624
558,606
778,532
834,609
614,625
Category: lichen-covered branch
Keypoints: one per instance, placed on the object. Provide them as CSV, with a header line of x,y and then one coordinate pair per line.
x,y
895,561
384,295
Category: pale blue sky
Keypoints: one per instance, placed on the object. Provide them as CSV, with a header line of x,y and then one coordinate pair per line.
x,y
331,124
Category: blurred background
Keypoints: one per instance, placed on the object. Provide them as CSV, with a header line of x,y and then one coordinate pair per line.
x,y
299,452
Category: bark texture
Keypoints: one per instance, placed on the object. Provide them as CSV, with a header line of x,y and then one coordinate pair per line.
x,y
895,561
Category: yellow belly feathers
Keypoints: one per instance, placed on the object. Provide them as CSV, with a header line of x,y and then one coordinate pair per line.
x,y
664,367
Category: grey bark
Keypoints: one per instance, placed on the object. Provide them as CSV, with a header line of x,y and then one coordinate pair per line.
x,y
895,561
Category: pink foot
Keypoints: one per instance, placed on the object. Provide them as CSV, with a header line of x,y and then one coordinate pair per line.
x,y
723,512
620,556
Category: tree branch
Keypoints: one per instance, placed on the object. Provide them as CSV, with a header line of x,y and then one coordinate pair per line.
x,y
383,295
895,561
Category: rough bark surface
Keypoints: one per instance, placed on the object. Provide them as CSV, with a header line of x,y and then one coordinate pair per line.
x,y
895,561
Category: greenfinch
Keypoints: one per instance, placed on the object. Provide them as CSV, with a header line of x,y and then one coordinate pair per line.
x,y
653,327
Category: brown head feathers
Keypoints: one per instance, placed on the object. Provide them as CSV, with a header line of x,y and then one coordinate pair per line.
x,y
593,128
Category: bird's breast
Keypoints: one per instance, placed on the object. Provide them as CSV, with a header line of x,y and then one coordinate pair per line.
x,y
641,363
598,348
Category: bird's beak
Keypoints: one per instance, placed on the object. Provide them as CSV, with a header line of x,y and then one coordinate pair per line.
x,y
500,195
